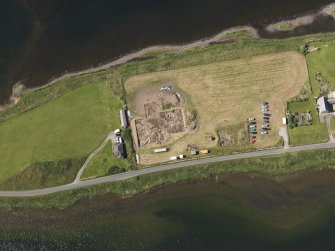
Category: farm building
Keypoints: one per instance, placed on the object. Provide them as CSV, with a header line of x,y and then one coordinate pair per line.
x,y
119,151
123,118
324,106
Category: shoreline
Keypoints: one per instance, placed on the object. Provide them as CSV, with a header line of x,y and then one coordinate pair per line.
x,y
204,42
219,37
139,54
291,24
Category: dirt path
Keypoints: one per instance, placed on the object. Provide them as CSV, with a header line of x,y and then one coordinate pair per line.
x,y
327,119
109,137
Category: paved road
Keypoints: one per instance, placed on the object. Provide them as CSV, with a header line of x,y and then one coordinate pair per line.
x,y
170,166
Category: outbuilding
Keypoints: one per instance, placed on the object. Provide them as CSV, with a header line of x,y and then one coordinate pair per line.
x,y
123,118
119,151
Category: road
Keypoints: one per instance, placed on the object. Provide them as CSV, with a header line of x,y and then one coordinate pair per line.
x,y
159,168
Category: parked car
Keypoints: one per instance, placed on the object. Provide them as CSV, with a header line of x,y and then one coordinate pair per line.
x,y
265,132
252,126
253,132
265,128
252,123
118,139
252,129
251,119
266,115
253,137
265,125
266,121
252,141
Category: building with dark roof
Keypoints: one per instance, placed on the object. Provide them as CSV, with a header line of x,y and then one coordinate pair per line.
x,y
119,151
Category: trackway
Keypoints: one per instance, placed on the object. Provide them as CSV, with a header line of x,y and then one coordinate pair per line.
x,y
127,175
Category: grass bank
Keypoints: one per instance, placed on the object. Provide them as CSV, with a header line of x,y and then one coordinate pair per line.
x,y
271,165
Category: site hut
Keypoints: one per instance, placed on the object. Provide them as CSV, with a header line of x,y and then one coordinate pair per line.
x,y
160,150
194,152
123,118
284,121
119,151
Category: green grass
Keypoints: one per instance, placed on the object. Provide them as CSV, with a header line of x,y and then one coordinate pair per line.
x,y
304,135
45,174
237,34
102,164
321,61
71,126
271,165
286,26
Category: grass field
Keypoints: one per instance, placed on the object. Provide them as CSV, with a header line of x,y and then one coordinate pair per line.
x,y
321,61
71,126
228,93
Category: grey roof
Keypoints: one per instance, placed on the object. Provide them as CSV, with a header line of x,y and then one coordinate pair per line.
x,y
119,151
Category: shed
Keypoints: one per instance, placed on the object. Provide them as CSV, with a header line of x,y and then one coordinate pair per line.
x,y
119,151
284,121
160,150
123,118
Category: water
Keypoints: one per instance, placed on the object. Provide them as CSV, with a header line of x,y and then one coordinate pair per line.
x,y
43,38
235,212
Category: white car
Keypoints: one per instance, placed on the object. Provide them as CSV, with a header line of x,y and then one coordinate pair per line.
x,y
264,132
265,125
118,139
251,119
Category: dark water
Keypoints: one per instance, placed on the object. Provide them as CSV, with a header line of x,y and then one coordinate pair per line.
x,y
40,39
235,212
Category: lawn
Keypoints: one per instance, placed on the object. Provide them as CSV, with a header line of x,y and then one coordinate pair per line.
x,y
321,61
105,163
227,93
71,126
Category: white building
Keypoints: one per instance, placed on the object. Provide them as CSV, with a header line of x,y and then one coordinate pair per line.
x,y
323,105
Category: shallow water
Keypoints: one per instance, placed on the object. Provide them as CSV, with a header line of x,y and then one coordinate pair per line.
x,y
43,38
234,212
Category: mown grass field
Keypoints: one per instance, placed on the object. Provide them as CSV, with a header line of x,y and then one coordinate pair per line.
x,y
321,61
71,126
227,93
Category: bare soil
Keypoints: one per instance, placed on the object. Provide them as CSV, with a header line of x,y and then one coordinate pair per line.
x,y
227,93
